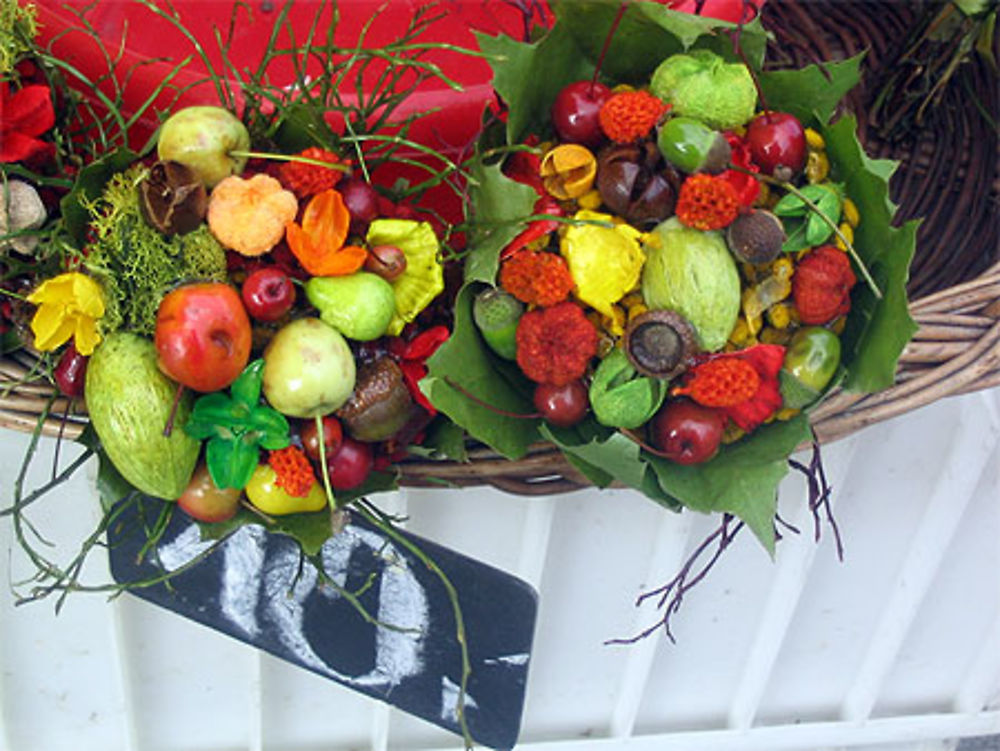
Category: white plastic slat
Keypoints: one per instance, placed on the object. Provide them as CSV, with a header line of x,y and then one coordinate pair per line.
x,y
255,700
795,557
536,531
905,732
979,689
119,652
672,536
971,450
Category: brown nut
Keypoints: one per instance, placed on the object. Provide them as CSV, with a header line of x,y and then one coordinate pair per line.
x,y
381,403
636,183
387,261
172,198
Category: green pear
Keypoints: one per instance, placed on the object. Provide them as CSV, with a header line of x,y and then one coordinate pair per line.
x,y
203,139
308,369
360,306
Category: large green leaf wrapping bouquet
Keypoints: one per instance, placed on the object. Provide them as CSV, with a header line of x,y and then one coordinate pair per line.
x,y
544,237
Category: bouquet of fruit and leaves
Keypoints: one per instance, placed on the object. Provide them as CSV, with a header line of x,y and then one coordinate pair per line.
x,y
675,253
241,304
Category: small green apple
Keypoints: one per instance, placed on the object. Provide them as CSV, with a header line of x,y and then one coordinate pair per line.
x,y
308,369
203,138
360,305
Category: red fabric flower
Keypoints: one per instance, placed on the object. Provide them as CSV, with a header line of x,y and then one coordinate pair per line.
x,y
742,385
537,278
26,114
821,285
747,188
412,357
629,115
555,345
707,202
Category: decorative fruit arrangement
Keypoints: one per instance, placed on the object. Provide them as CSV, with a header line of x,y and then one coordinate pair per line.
x,y
676,258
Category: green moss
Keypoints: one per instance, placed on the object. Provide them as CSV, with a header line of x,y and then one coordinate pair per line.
x,y
136,264
18,28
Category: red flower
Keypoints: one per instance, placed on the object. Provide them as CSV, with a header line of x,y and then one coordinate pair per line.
x,y
555,345
741,385
629,115
707,202
821,285
747,188
536,278
26,114
411,357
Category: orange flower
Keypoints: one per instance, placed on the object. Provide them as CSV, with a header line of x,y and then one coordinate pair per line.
x,y
293,470
319,242
309,179
630,115
707,202
536,277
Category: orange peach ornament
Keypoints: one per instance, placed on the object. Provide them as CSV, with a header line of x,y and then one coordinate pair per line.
x,y
249,216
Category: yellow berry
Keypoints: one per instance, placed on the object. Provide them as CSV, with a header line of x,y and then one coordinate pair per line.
x,y
814,140
786,413
591,200
847,231
851,213
817,166
780,315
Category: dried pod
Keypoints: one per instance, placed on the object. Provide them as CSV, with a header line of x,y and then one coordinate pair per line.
x,y
635,183
756,237
173,199
381,403
659,343
568,170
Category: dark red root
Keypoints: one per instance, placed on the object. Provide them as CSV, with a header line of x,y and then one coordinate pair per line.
x,y
607,43
819,496
169,427
671,595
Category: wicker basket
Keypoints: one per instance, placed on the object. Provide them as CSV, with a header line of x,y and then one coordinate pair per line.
x,y
948,175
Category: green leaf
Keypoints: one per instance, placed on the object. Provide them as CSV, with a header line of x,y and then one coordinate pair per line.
x,y
272,426
648,33
246,387
446,439
877,330
807,93
231,462
528,76
742,480
500,205
210,412
464,360
88,187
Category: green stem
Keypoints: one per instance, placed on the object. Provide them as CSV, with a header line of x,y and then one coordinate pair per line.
x,y
289,158
324,469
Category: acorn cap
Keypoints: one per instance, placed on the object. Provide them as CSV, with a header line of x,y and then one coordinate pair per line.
x,y
756,236
380,404
659,343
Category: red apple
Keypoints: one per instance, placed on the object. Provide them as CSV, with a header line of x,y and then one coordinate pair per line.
x,y
777,139
268,294
203,501
686,432
202,335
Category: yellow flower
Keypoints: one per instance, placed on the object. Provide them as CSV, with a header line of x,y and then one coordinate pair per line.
x,y
68,306
423,279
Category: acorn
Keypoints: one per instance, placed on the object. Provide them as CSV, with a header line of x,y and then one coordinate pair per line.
x,y
691,146
756,236
660,343
381,403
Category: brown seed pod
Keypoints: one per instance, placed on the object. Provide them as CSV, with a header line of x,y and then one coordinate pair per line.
x,y
756,236
388,261
380,404
659,343
173,199
636,183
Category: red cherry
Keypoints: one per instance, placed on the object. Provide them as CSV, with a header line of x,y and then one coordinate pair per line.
x,y
71,372
777,139
268,294
686,432
575,112
351,465
361,200
333,436
562,406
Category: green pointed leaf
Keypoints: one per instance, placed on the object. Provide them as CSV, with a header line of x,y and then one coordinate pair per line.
x,y
877,330
465,360
807,93
500,205
231,462
790,205
246,387
447,439
648,33
817,231
272,426
210,413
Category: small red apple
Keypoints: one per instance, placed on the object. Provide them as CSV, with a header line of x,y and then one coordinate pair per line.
x,y
575,112
202,335
268,294
563,406
203,501
350,465
777,140
686,432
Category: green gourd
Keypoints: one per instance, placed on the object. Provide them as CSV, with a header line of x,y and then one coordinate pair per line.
x,y
129,401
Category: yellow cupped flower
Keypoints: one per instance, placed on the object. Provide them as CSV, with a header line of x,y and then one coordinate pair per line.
x,y
69,305
604,261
